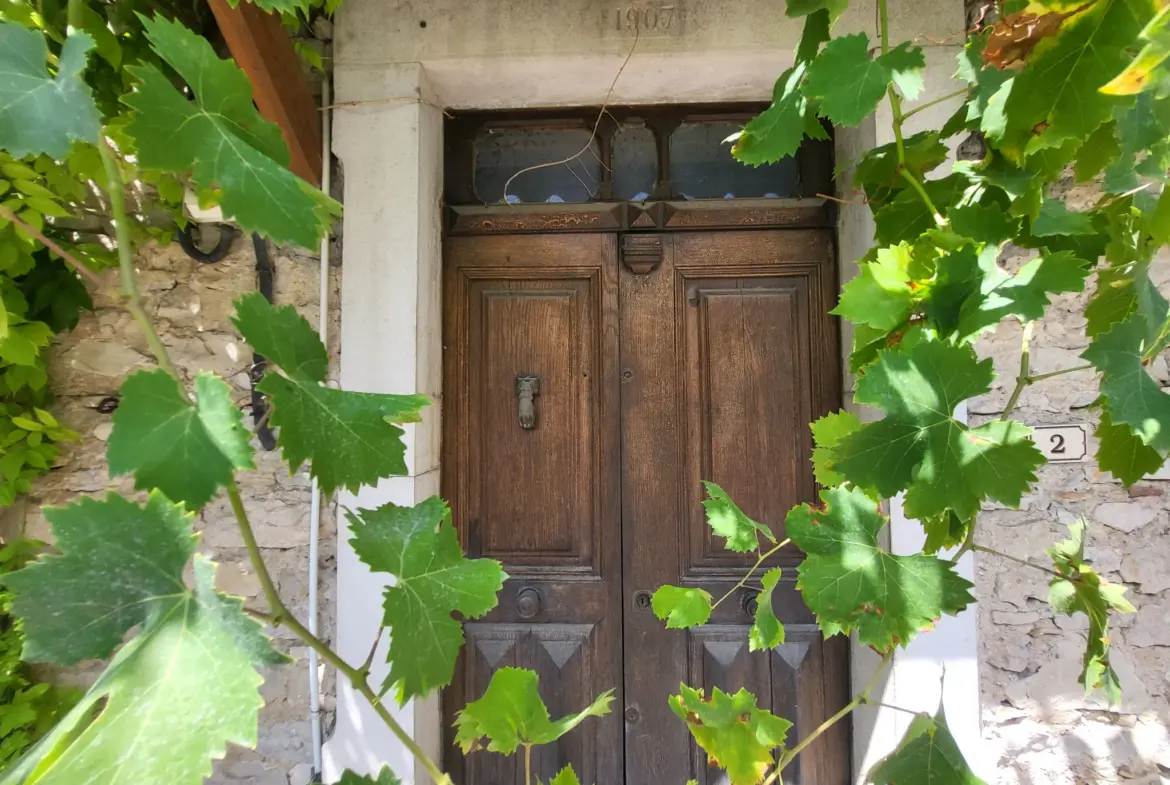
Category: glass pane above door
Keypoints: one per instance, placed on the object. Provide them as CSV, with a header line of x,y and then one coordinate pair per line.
x,y
635,162
701,167
543,164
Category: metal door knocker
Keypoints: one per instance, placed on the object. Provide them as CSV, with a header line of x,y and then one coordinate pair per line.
x,y
527,388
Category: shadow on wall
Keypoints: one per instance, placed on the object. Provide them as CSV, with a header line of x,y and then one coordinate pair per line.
x,y
1047,732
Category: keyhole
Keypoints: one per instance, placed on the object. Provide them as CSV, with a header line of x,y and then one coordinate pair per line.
x,y
642,599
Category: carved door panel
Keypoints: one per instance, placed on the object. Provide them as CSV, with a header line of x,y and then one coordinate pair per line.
x,y
727,354
531,471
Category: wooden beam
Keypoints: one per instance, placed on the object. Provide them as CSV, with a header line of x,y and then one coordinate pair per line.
x,y
263,49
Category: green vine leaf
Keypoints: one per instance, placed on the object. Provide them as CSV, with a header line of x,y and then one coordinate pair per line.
x,y
983,223
834,8
1082,590
186,450
565,776
849,83
729,521
1134,398
1141,128
928,755
766,631
906,216
681,607
736,734
1122,453
148,546
777,132
920,448
1123,290
827,434
122,567
1147,70
1100,150
1022,296
1056,96
986,82
815,33
221,139
1056,218
420,548
881,294
511,714
23,342
280,6
41,113
385,777
349,439
852,584
880,174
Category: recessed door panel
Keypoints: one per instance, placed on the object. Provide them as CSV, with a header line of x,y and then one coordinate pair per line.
x,y
531,471
728,353
746,399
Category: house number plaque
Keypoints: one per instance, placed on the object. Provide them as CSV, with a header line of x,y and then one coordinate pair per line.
x,y
1062,443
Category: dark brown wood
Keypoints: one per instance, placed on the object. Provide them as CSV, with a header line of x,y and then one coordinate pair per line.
x,y
542,500
746,213
656,216
536,218
728,352
263,49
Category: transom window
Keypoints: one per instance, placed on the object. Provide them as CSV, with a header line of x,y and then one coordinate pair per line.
x,y
633,154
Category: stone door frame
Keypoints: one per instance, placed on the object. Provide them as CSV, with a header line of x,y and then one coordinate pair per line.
x,y
388,136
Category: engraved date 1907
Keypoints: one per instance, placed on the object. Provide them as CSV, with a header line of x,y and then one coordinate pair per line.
x,y
648,18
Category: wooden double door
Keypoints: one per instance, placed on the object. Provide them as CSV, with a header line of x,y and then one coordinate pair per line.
x,y
591,383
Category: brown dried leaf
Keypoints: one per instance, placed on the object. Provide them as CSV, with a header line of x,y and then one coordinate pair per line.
x,y
1014,37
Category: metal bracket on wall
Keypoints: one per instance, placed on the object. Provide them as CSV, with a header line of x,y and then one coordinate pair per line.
x,y
641,253
260,411
190,243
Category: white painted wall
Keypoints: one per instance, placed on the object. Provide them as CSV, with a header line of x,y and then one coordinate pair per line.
x,y
525,53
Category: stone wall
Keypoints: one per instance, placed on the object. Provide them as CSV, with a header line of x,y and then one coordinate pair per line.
x,y
1038,725
192,303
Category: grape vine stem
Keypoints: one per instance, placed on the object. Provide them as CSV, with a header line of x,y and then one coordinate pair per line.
x,y
1026,377
132,299
936,102
743,581
1016,559
862,698
898,118
278,614
72,260
1022,378
1075,369
373,648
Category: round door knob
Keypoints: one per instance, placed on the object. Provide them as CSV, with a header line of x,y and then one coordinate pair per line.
x,y
528,602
